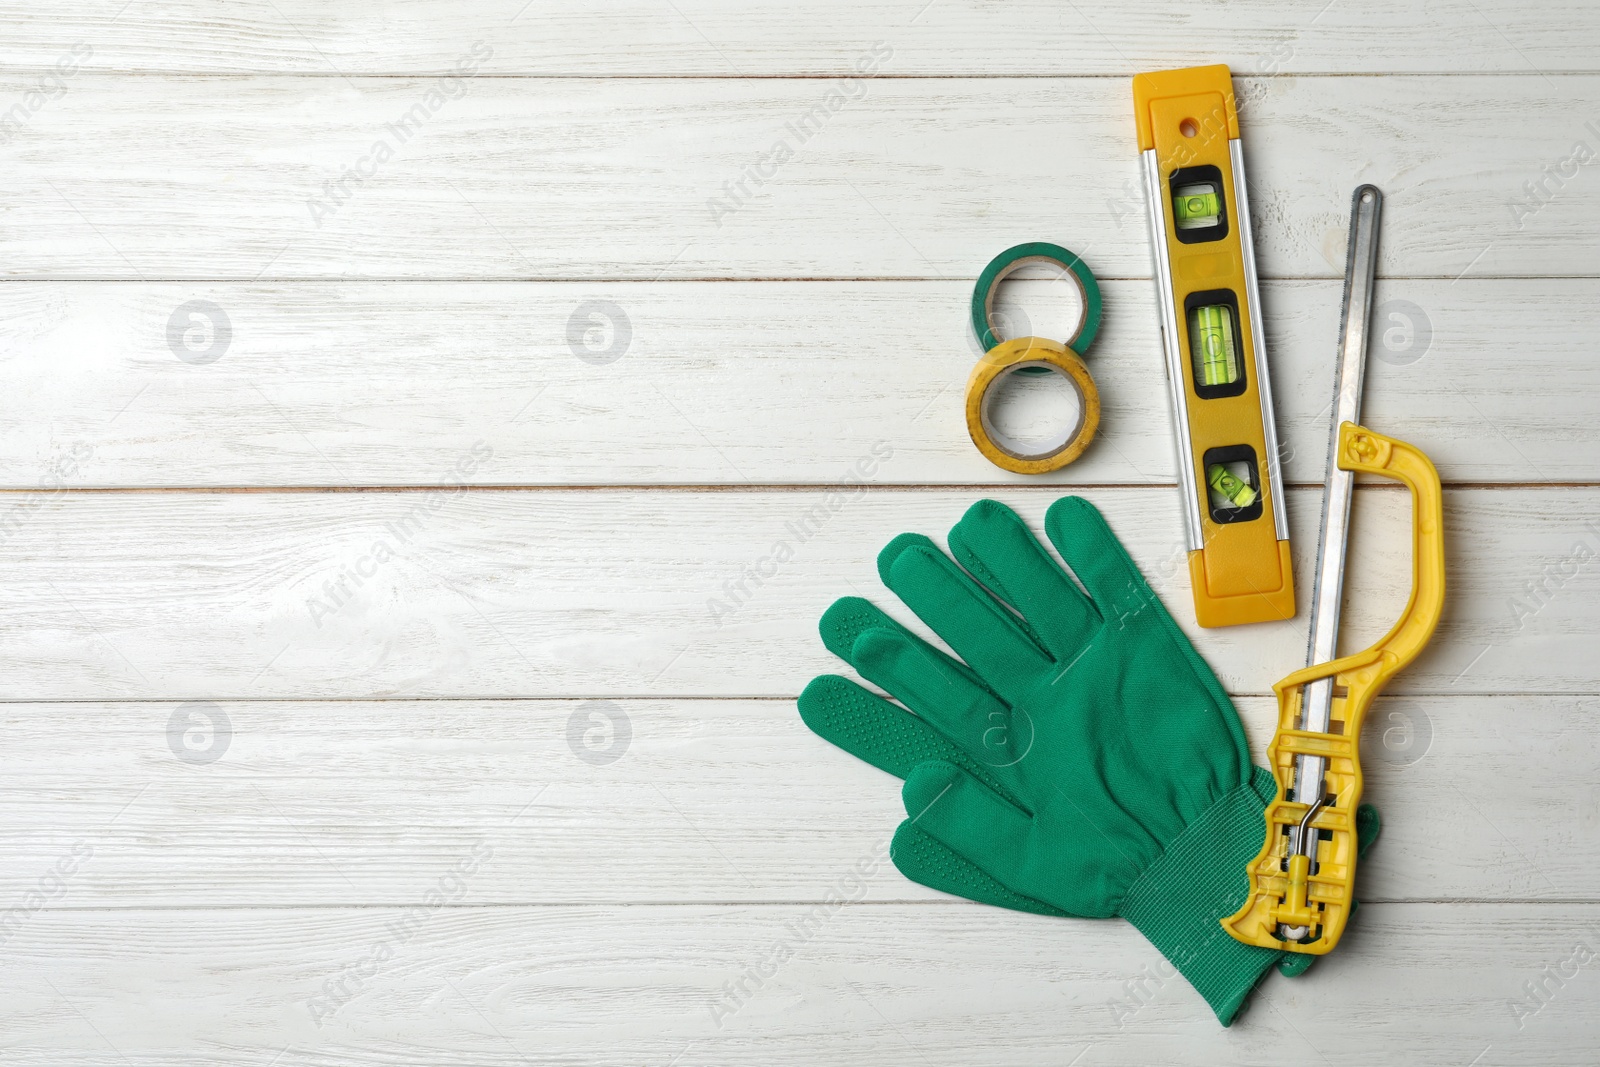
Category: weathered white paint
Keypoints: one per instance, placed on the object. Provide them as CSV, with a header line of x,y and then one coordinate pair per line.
x,y
720,38
607,593
211,178
661,801
943,984
715,383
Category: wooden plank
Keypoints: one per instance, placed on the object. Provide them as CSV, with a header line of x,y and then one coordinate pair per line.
x,y
1426,984
619,593
725,39
690,178
711,383
316,804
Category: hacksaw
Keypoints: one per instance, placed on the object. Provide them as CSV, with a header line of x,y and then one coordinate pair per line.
x,y
1301,883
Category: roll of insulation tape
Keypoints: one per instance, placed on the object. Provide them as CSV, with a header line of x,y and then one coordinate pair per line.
x,y
1037,355
1032,355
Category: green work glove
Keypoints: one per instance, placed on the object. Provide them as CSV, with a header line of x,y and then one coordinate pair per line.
x,y
1083,760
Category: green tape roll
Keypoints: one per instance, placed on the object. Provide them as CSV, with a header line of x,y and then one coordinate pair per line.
x,y
1021,255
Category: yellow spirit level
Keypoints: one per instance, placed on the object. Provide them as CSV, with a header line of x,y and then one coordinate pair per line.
x,y
1227,447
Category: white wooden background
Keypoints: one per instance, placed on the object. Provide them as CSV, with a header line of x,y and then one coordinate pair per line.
x,y
516,796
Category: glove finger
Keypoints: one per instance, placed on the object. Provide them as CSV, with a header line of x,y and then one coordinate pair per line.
x,y
870,727
949,701
938,687
983,632
1294,964
923,859
1085,541
849,617
892,550
881,732
960,812
993,543
1369,824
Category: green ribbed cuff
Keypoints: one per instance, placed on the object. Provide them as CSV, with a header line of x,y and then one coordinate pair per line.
x,y
1179,903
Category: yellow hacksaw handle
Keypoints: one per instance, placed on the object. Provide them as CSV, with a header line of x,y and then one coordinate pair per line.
x,y
1292,890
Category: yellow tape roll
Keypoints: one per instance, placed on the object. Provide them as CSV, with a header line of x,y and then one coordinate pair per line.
x,y
1021,353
